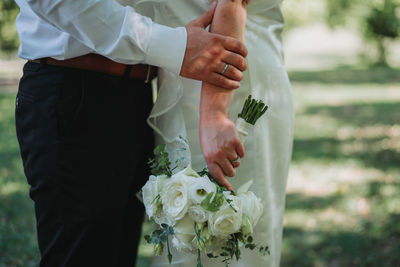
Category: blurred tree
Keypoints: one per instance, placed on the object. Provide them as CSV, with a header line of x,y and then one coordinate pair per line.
x,y
379,20
383,23
8,33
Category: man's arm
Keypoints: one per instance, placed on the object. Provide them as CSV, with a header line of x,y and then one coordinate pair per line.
x,y
125,36
218,137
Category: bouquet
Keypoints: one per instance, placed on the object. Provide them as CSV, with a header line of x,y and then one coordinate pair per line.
x,y
192,213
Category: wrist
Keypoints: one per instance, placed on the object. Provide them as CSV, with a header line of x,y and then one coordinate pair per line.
x,y
213,115
215,101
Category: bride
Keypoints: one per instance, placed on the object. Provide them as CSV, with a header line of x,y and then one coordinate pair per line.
x,y
205,114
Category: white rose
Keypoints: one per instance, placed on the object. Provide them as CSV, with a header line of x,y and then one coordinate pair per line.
x,y
251,206
226,221
183,242
184,234
150,191
200,188
174,196
198,214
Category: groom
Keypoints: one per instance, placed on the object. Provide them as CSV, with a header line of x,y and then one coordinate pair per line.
x,y
81,114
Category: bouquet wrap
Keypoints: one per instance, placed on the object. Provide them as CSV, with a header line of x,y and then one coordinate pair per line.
x,y
243,128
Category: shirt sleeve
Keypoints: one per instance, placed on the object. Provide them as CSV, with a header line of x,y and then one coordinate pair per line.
x,y
115,31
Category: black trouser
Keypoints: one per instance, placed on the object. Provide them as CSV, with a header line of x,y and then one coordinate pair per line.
x,y
84,143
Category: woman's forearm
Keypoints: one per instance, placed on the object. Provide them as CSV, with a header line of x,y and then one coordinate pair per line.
x,y
219,140
229,19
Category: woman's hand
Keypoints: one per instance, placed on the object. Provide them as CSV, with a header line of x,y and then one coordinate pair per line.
x,y
220,145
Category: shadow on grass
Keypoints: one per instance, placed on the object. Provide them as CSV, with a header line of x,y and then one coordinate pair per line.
x,y
374,240
359,149
341,248
368,114
348,75
373,145
297,201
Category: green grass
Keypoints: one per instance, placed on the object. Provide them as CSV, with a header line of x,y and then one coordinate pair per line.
x,y
17,225
343,201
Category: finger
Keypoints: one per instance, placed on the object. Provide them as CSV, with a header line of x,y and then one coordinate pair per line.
x,y
206,18
235,164
240,149
233,156
222,81
235,46
230,72
226,167
235,60
217,173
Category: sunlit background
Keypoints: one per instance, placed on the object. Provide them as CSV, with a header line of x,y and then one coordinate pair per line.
x,y
343,200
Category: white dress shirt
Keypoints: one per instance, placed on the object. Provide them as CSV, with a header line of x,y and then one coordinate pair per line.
x,y
64,29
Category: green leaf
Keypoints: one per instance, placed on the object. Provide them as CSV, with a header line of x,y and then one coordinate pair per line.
x,y
213,203
169,258
160,164
205,172
158,249
159,149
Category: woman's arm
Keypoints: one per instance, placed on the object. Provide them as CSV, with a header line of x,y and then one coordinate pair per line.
x,y
218,137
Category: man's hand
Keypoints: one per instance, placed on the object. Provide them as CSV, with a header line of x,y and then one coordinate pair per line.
x,y
207,54
221,146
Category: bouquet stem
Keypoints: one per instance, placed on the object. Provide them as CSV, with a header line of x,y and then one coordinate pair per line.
x,y
252,110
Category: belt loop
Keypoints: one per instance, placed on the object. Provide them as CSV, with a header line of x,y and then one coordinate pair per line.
x,y
148,74
127,71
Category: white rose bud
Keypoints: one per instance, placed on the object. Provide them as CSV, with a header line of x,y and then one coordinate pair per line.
x,y
184,235
200,188
247,227
251,206
198,214
182,242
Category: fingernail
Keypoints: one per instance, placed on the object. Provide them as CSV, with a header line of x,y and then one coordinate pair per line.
x,y
213,4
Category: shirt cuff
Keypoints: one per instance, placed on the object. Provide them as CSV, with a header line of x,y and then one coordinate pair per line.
x,y
167,47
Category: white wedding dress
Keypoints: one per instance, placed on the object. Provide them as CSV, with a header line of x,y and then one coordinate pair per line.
x,y
269,145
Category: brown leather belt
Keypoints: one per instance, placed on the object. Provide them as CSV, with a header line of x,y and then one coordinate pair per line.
x,y
98,63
